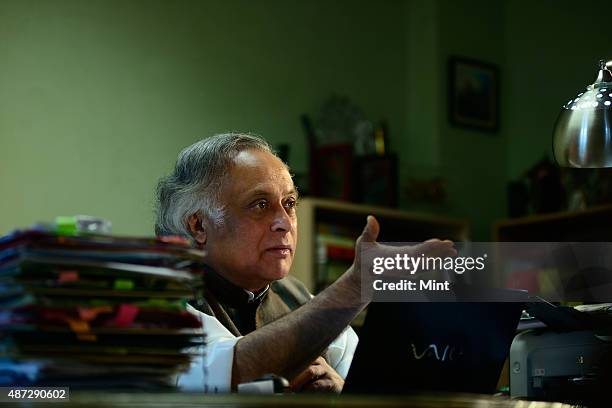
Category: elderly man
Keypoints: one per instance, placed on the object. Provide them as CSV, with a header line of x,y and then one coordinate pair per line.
x,y
236,200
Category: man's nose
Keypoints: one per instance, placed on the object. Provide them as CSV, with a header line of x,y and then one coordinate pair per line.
x,y
281,220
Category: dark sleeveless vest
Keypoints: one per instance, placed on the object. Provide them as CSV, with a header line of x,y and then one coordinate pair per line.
x,y
239,312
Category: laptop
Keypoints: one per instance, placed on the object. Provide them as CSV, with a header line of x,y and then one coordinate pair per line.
x,y
408,348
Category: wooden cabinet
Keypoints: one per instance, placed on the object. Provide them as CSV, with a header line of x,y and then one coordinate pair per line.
x,y
327,227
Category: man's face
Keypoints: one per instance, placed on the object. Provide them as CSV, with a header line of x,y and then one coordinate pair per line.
x,y
256,243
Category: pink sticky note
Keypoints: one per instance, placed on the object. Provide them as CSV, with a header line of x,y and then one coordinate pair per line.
x,y
125,315
68,276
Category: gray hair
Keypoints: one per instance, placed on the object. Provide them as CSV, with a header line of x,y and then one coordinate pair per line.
x,y
194,184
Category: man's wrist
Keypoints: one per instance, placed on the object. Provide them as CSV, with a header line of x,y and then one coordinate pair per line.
x,y
354,280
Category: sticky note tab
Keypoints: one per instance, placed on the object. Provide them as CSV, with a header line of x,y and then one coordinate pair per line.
x,y
124,284
126,314
82,330
78,326
68,277
90,313
66,225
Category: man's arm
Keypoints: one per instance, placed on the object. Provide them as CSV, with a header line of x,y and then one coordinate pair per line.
x,y
288,345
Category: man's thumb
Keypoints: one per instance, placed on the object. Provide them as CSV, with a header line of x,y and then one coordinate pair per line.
x,y
371,230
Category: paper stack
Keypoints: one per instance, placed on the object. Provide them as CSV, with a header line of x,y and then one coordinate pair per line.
x,y
96,311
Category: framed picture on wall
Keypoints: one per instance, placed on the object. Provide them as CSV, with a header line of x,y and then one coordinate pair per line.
x,y
473,94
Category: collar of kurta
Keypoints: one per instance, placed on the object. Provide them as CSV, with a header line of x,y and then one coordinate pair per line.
x,y
242,312
230,294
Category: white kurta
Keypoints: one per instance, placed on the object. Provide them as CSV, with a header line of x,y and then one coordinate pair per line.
x,y
212,372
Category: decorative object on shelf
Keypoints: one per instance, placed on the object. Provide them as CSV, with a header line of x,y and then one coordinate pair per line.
x,y
540,190
330,139
546,191
365,141
587,187
338,121
331,171
376,180
582,136
473,94
546,188
578,184
348,155
375,170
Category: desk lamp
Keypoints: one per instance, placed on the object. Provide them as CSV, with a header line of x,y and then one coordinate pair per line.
x,y
582,136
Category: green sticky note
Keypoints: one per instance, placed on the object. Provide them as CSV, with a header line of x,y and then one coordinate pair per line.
x,y
124,284
66,225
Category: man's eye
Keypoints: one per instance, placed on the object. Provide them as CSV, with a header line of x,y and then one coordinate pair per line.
x,y
261,205
290,204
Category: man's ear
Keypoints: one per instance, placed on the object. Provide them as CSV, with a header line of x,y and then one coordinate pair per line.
x,y
197,229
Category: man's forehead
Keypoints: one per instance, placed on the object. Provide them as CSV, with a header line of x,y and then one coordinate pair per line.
x,y
258,171
257,159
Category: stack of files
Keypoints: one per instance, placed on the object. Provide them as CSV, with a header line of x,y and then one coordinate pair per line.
x,y
96,311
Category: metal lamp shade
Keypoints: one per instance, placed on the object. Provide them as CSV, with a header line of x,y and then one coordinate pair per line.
x,y
582,136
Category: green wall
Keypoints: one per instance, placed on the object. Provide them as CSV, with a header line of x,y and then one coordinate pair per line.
x,y
546,51
472,161
552,52
420,144
98,97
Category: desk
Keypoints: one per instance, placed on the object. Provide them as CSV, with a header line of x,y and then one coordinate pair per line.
x,y
176,400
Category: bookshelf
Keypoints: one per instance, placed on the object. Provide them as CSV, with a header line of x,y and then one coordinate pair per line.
x,y
327,230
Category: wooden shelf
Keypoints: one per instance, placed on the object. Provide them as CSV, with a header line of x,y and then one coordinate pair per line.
x,y
592,224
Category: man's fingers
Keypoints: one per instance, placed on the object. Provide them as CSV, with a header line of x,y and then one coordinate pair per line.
x,y
298,382
318,377
320,361
324,385
312,372
435,247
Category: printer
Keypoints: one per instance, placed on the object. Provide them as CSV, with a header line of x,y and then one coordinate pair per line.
x,y
566,357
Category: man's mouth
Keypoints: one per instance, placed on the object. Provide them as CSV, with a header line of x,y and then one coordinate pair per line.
x,y
281,251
